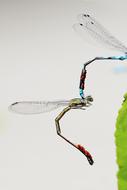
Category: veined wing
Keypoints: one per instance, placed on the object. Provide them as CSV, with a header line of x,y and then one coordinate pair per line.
x,y
88,25
36,107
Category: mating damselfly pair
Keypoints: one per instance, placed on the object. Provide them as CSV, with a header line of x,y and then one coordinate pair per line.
x,y
89,25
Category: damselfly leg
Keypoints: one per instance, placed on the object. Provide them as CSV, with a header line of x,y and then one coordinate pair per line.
x,y
77,146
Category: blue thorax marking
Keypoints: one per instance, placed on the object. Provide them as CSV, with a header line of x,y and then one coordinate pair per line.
x,y
119,57
81,93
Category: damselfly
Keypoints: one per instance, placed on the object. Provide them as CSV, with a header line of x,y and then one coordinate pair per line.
x,y
89,26
36,107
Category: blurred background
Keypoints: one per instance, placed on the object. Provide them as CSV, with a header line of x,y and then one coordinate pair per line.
x,y
41,58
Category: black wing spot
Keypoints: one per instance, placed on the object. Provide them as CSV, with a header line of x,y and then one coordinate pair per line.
x,y
14,103
86,15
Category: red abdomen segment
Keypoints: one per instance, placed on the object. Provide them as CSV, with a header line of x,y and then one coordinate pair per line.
x,y
82,79
86,153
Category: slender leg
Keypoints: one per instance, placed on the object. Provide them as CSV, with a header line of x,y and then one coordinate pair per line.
x,y
58,130
79,147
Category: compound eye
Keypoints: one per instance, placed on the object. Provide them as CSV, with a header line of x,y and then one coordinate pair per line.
x,y
91,99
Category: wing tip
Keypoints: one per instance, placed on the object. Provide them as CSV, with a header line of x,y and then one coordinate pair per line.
x,y
14,103
10,108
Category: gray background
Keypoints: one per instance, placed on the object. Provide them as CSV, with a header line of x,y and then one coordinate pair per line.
x,y
41,58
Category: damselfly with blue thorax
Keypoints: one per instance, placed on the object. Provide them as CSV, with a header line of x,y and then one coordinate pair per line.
x,y
88,26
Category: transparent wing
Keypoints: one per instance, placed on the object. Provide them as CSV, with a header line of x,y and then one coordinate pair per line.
x,y
36,107
89,25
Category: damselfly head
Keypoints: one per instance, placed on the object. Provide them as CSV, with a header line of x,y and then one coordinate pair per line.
x,y
89,98
86,100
